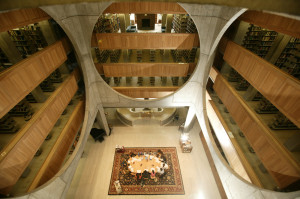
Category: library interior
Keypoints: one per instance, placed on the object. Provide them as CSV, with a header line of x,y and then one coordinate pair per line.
x,y
204,97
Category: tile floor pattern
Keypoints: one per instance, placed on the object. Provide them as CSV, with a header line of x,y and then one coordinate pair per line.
x,y
92,176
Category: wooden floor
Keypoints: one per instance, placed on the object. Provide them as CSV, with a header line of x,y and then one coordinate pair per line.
x,y
93,174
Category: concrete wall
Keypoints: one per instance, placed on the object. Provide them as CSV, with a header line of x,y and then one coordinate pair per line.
x,y
211,21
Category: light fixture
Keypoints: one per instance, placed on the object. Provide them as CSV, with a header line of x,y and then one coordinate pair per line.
x,y
184,137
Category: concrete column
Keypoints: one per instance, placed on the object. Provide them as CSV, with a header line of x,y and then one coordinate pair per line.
x,y
50,37
190,120
122,22
226,68
164,20
47,32
125,55
277,48
102,121
9,48
272,56
127,20
250,93
293,144
241,32
39,95
166,56
63,69
169,23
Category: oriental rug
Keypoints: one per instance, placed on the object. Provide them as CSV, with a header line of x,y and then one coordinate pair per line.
x,y
168,184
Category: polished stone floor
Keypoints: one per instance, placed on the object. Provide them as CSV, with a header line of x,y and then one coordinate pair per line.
x,y
92,176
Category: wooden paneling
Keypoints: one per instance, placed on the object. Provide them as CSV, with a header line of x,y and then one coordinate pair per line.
x,y
234,154
20,79
146,40
18,153
20,18
59,151
145,69
191,68
146,92
145,8
277,23
277,86
277,160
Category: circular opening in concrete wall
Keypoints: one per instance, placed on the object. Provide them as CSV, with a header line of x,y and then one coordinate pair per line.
x,y
145,53
242,109
42,94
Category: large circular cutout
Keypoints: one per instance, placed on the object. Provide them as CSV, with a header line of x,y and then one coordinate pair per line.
x,y
145,55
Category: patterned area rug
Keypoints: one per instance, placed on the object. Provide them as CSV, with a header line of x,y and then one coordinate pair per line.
x,y
169,184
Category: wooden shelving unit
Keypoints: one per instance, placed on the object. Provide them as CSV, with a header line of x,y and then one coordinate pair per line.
x,y
4,61
117,81
139,54
107,24
192,55
281,122
8,125
177,55
28,39
191,27
140,81
287,52
152,55
180,23
265,106
292,63
152,81
259,40
175,81
102,55
183,23
242,84
47,85
114,56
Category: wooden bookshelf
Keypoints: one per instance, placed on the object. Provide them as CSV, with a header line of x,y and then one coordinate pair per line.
x,y
259,40
180,23
145,69
233,152
288,51
281,89
273,22
292,60
60,149
28,39
4,61
146,92
102,55
21,149
107,24
276,158
113,41
20,79
145,7
20,18
191,27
